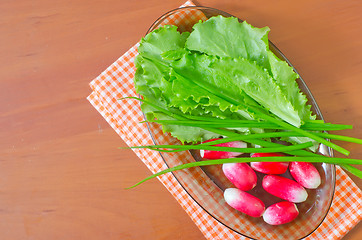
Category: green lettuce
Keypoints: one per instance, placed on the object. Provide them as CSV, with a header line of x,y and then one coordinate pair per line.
x,y
220,70
236,77
226,37
152,78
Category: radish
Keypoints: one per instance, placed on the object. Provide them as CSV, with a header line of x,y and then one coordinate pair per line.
x,y
280,213
244,202
269,167
241,175
305,174
284,188
208,154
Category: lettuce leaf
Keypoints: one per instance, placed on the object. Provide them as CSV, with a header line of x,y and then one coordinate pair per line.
x,y
164,39
226,37
286,79
152,77
221,69
236,77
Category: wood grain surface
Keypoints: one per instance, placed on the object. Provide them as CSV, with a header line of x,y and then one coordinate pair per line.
x,y
61,174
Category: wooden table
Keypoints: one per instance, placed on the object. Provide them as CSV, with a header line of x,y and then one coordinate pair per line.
x,y
61,174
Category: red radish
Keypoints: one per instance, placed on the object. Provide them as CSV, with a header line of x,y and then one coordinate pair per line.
x,y
284,188
280,213
305,174
269,167
208,154
241,175
244,202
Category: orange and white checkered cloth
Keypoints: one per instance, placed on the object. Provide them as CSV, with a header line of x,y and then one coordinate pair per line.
x,y
124,116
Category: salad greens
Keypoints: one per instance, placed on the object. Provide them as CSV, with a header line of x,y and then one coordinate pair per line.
x,y
173,69
226,37
249,159
223,80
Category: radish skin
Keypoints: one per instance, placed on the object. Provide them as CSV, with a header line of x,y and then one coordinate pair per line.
x,y
269,167
305,174
241,175
208,154
244,202
284,188
280,213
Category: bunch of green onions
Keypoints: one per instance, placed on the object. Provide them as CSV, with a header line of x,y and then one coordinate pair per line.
x,y
220,126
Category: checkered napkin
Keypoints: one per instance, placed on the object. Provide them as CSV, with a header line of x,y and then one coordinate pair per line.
x,y
124,116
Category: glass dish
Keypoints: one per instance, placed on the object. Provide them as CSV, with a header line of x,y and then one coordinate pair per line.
x,y
205,185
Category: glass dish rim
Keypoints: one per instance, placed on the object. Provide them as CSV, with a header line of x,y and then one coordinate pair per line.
x,y
306,90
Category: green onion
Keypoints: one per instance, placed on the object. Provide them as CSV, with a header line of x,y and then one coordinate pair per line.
x,y
250,124
339,137
284,134
257,125
232,134
256,110
313,125
302,153
305,133
355,171
325,126
254,159
229,149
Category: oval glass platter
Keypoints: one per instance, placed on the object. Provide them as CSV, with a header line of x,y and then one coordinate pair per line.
x,y
206,185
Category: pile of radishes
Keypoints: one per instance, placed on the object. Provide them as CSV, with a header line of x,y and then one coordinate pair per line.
x,y
244,178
